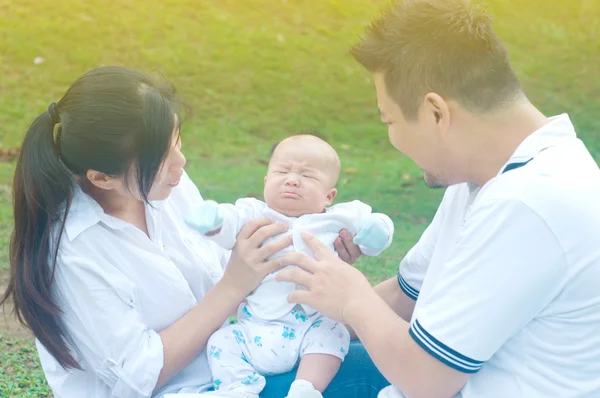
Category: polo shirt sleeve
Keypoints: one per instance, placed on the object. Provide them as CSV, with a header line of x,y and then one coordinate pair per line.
x,y
414,265
507,267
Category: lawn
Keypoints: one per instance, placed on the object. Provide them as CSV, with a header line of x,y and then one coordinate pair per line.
x,y
255,71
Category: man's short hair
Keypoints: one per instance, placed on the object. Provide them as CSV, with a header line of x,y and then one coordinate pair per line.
x,y
443,46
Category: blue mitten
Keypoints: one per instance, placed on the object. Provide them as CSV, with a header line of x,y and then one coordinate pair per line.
x,y
372,233
206,217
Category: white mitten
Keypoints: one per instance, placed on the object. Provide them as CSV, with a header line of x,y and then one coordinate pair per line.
x,y
206,217
372,232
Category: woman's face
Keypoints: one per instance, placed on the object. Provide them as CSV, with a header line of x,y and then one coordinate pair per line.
x,y
113,192
167,178
170,173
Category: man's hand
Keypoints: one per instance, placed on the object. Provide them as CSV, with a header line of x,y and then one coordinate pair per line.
x,y
333,285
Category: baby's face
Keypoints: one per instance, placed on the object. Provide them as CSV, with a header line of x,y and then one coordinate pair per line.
x,y
300,180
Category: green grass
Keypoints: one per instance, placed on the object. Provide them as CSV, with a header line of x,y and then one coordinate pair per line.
x,y
255,71
20,372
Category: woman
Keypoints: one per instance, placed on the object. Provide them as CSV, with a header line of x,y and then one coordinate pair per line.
x,y
120,294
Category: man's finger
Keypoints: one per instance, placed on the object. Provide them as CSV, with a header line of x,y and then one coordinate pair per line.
x,y
321,251
295,275
273,247
252,226
301,297
273,265
301,260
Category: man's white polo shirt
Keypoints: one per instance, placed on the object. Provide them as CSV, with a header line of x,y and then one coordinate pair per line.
x,y
507,276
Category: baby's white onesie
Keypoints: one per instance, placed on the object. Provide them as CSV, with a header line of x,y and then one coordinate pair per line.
x,y
271,333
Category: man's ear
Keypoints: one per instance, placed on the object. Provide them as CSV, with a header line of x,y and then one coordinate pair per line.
x,y
436,109
331,196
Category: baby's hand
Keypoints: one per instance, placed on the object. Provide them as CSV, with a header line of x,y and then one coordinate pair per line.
x,y
206,218
372,232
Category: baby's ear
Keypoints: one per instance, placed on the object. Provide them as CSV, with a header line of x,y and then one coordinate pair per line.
x,y
331,196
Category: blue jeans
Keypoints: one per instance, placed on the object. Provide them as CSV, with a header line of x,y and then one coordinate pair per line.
x,y
357,378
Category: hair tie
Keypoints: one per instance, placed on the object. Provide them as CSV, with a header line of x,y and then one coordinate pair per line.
x,y
52,112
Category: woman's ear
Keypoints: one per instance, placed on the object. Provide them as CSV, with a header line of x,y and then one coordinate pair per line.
x,y
101,180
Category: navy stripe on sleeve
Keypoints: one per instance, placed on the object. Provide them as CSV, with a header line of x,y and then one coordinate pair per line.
x,y
513,166
442,352
406,288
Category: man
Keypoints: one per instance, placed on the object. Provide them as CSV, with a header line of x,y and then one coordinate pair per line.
x,y
500,297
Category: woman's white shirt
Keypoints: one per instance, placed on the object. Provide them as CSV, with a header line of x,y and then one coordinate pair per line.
x,y
118,288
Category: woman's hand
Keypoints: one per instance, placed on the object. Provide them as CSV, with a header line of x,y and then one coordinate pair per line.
x,y
334,287
346,248
247,266
185,339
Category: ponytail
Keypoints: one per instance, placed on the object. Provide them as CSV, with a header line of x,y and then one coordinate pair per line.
x,y
42,193
109,120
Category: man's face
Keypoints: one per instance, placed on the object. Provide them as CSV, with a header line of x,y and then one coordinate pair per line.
x,y
419,140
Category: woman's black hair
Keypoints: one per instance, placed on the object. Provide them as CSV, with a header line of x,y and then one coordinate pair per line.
x,y
112,120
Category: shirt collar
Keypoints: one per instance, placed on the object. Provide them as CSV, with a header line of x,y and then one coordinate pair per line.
x,y
558,129
85,212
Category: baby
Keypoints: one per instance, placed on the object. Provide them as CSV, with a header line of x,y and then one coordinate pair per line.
x,y
271,334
